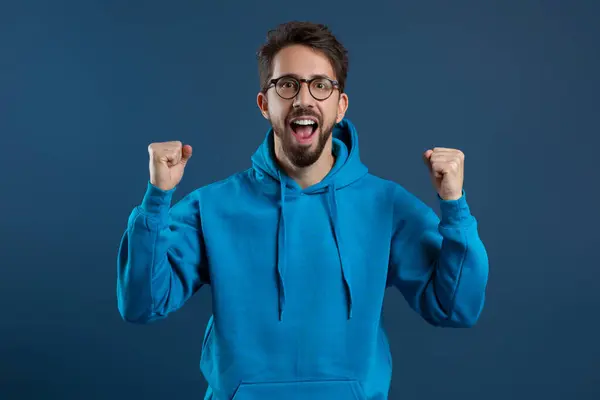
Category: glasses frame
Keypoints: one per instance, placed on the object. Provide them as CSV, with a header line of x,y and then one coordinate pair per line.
x,y
273,83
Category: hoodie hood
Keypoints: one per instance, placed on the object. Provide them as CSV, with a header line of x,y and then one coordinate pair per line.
x,y
347,169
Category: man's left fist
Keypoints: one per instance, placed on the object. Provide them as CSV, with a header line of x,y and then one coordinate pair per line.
x,y
447,168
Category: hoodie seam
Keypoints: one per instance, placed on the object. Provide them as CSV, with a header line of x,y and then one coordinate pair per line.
x,y
155,233
145,219
459,277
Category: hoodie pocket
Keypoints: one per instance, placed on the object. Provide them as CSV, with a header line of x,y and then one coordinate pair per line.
x,y
302,390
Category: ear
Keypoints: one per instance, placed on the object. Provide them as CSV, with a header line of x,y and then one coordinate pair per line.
x,y
342,107
263,104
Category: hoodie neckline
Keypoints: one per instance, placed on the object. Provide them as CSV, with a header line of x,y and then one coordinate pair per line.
x,y
339,151
347,169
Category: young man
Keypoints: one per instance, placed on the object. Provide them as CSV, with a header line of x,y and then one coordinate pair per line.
x,y
299,249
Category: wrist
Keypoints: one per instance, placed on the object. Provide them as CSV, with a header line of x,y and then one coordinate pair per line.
x,y
156,201
455,211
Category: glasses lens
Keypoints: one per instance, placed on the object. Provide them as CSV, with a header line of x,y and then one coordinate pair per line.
x,y
287,87
321,88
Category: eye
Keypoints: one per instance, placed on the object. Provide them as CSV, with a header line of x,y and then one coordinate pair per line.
x,y
321,84
287,84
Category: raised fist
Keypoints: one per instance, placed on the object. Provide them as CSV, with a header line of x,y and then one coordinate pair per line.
x,y
446,166
167,162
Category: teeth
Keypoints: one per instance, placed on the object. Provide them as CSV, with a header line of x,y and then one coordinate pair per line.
x,y
304,122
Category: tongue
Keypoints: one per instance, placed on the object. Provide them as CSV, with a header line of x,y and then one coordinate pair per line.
x,y
304,131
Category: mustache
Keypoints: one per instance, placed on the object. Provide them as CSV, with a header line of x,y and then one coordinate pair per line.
x,y
298,112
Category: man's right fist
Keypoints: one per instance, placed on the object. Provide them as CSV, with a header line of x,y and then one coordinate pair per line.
x,y
167,162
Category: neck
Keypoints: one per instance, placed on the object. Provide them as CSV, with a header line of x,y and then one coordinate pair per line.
x,y
311,175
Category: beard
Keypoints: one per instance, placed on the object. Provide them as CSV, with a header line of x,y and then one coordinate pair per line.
x,y
301,156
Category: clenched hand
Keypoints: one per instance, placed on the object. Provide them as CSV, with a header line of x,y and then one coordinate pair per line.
x,y
167,162
446,167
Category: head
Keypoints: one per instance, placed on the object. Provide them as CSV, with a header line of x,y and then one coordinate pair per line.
x,y
302,69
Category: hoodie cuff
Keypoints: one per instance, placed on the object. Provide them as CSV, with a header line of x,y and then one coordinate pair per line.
x,y
156,202
455,212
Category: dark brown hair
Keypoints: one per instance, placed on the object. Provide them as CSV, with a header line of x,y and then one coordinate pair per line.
x,y
316,36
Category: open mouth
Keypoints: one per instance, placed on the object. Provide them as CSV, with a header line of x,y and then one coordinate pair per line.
x,y
304,128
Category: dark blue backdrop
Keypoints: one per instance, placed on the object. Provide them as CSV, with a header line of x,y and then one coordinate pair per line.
x,y
86,86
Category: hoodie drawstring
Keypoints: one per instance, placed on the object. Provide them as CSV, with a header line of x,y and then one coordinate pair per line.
x,y
281,249
334,222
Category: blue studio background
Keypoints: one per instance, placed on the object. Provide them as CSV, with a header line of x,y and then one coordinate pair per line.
x,y
85,86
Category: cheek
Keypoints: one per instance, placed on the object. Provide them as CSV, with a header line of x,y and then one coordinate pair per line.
x,y
330,112
277,112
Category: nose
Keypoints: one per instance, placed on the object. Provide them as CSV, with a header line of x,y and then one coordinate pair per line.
x,y
303,98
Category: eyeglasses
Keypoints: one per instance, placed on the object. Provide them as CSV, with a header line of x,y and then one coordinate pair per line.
x,y
287,87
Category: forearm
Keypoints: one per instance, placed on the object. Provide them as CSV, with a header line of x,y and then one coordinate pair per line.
x,y
159,258
456,292
441,266
139,262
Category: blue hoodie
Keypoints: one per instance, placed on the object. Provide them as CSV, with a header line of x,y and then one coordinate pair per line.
x,y
298,276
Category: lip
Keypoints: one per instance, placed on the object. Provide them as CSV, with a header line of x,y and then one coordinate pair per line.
x,y
316,121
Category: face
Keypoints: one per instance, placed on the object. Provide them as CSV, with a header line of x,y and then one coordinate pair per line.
x,y
300,143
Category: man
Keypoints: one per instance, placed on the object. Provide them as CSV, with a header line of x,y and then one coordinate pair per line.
x,y
299,249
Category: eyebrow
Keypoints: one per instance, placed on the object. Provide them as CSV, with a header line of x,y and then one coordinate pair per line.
x,y
310,77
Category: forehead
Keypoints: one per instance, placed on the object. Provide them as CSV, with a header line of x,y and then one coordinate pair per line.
x,y
302,61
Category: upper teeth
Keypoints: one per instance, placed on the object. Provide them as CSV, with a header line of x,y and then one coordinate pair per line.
x,y
304,122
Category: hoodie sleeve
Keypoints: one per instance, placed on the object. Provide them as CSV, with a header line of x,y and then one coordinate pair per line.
x,y
161,260
439,266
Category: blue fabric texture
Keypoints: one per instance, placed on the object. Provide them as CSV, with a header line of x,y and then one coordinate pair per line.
x,y
298,276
